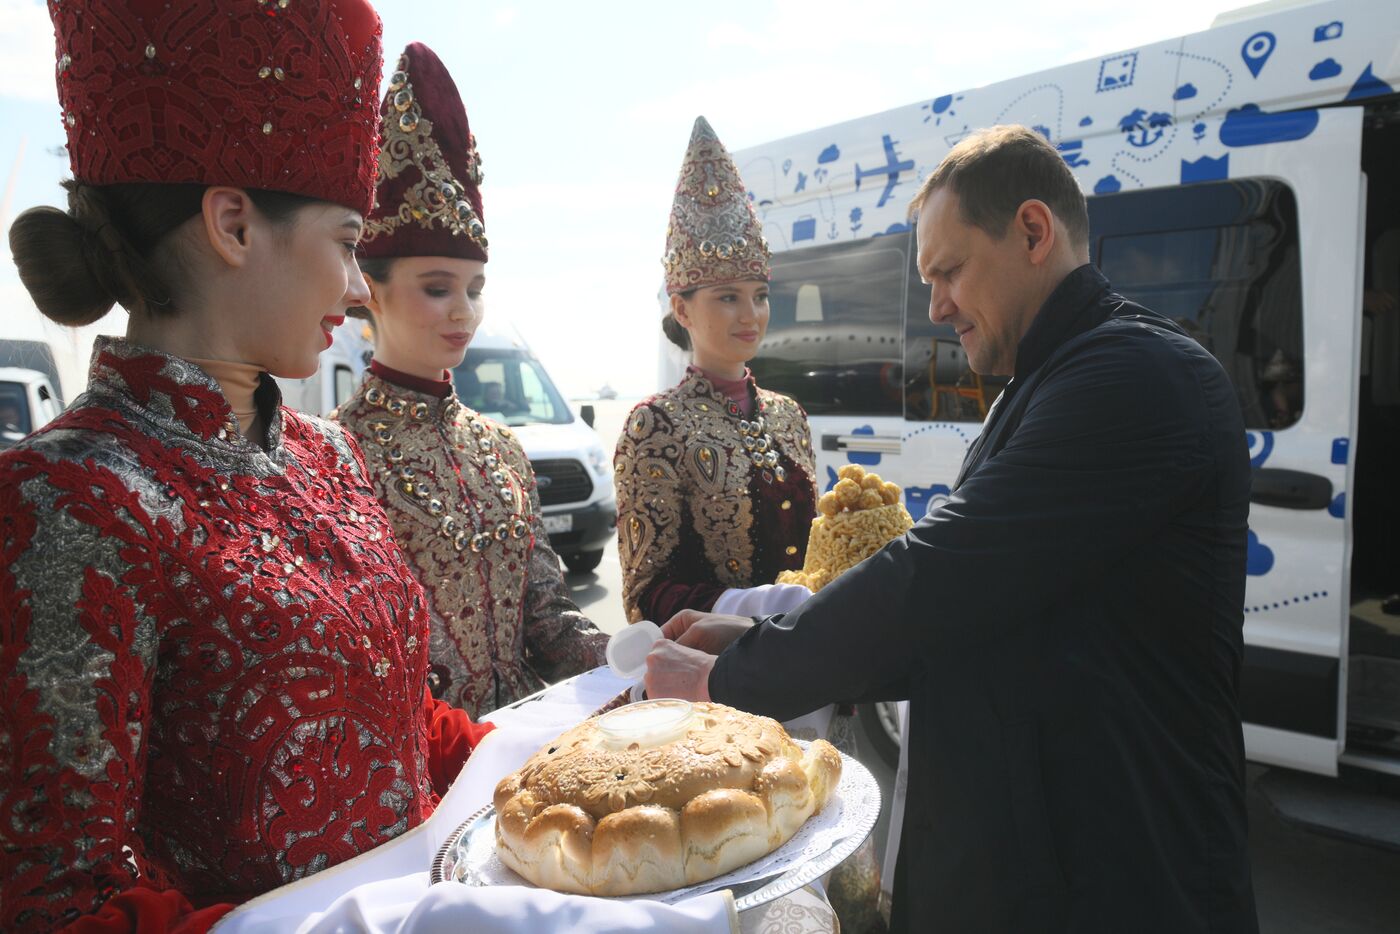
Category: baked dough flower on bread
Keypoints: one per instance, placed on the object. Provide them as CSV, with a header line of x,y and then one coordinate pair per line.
x,y
595,813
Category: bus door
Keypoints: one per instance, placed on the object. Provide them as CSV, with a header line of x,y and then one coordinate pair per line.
x,y
1259,260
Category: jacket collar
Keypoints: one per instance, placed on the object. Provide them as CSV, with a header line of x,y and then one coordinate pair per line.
x,y
437,388
1073,307
408,403
179,396
697,383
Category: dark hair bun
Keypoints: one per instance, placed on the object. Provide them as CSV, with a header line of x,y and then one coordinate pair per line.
x,y
51,249
674,332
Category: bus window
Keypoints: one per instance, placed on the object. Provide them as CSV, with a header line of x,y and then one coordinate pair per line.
x,y
1221,260
833,340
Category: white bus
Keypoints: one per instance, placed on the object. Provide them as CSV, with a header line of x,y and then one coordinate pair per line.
x,y
1244,181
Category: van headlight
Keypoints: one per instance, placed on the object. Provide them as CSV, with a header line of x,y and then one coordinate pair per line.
x,y
598,460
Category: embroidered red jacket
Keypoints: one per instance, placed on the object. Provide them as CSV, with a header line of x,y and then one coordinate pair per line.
x,y
213,658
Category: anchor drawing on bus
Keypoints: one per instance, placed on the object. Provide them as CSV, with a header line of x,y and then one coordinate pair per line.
x,y
891,169
1143,129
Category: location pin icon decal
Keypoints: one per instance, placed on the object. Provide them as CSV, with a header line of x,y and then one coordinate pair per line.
x,y
1256,51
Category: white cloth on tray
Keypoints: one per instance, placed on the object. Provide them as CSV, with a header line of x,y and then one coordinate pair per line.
x,y
387,891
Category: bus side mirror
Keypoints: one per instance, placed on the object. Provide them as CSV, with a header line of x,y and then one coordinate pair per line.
x,y
585,412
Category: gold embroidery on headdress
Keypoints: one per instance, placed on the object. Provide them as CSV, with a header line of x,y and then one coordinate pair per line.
x,y
437,196
714,235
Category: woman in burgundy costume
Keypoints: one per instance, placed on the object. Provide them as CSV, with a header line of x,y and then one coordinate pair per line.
x,y
213,657
715,476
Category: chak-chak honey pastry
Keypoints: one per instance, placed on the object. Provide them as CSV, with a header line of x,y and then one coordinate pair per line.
x,y
857,518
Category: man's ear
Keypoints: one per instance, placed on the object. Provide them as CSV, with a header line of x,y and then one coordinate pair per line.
x,y
1035,226
228,219
678,309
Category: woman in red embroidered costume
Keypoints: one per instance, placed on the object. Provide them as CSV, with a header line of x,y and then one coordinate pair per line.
x,y
456,485
213,657
715,476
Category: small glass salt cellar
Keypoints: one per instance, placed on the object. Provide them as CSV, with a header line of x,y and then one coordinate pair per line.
x,y
645,724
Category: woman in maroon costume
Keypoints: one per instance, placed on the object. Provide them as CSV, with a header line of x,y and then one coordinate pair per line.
x,y
715,476
213,656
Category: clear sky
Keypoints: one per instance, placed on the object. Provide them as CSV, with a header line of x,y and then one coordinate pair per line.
x,y
582,112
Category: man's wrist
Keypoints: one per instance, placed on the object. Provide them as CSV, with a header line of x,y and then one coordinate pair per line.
x,y
704,686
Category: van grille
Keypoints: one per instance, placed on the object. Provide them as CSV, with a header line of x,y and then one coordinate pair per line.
x,y
562,481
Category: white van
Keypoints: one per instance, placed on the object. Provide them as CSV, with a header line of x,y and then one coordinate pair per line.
x,y
343,365
1244,181
501,378
28,402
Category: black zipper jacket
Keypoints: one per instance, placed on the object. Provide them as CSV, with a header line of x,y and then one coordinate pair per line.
x,y
1068,632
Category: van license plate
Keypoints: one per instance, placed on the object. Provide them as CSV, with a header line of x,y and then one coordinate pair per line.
x,y
553,524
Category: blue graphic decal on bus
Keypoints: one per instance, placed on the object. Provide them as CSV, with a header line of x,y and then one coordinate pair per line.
x,y
1261,557
864,458
920,499
1256,51
1205,169
1250,126
1368,85
1261,445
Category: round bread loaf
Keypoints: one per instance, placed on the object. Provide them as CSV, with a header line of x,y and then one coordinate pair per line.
x,y
596,813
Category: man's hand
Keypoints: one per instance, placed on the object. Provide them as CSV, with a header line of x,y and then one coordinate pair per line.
x,y
676,671
705,631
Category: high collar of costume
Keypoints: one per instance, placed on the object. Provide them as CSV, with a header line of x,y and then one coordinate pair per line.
x,y
436,388
410,403
700,383
742,391
179,395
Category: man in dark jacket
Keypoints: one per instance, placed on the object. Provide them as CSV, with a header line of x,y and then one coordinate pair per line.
x,y
1067,628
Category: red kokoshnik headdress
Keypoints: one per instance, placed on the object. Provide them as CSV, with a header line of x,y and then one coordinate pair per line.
x,y
428,202
274,94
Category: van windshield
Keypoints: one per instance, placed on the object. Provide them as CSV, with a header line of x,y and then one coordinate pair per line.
x,y
511,387
14,410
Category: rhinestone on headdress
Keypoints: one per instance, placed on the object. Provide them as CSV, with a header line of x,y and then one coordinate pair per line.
x,y
713,224
408,144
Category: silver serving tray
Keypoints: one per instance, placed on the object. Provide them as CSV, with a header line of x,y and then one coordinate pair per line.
x,y
747,895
